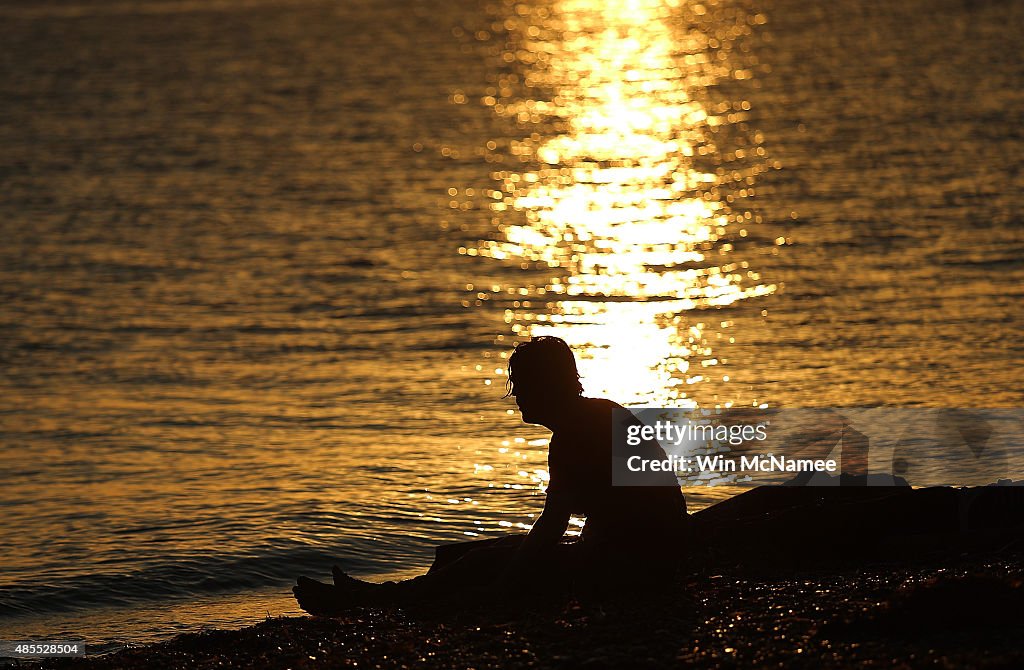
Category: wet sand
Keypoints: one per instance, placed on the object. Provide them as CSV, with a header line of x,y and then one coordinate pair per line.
x,y
949,611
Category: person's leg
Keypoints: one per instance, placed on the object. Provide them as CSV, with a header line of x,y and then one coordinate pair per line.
x,y
478,567
446,554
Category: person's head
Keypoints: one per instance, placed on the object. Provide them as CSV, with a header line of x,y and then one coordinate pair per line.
x,y
543,379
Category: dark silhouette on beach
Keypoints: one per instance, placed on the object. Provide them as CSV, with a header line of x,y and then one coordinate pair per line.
x,y
636,535
626,526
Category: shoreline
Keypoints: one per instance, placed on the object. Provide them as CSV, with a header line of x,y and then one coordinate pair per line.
x,y
822,577
952,610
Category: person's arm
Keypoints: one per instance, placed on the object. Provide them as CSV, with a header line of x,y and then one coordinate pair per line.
x,y
548,530
545,534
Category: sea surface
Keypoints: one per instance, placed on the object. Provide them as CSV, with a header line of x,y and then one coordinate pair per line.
x,y
262,262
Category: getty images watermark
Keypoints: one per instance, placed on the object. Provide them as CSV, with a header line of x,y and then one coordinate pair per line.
x,y
877,446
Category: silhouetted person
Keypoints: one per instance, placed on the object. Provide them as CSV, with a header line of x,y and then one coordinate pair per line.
x,y
627,530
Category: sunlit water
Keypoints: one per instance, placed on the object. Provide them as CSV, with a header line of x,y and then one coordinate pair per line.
x,y
263,261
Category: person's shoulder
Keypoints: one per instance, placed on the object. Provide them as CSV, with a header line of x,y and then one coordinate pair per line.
x,y
600,404
601,408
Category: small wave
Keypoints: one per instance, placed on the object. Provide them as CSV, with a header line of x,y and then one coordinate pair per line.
x,y
73,11
186,578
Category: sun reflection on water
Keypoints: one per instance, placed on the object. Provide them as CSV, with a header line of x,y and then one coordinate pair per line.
x,y
623,189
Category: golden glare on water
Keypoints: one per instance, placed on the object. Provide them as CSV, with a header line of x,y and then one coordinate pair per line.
x,y
624,191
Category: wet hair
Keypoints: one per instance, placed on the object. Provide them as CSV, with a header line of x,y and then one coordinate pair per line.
x,y
546,357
